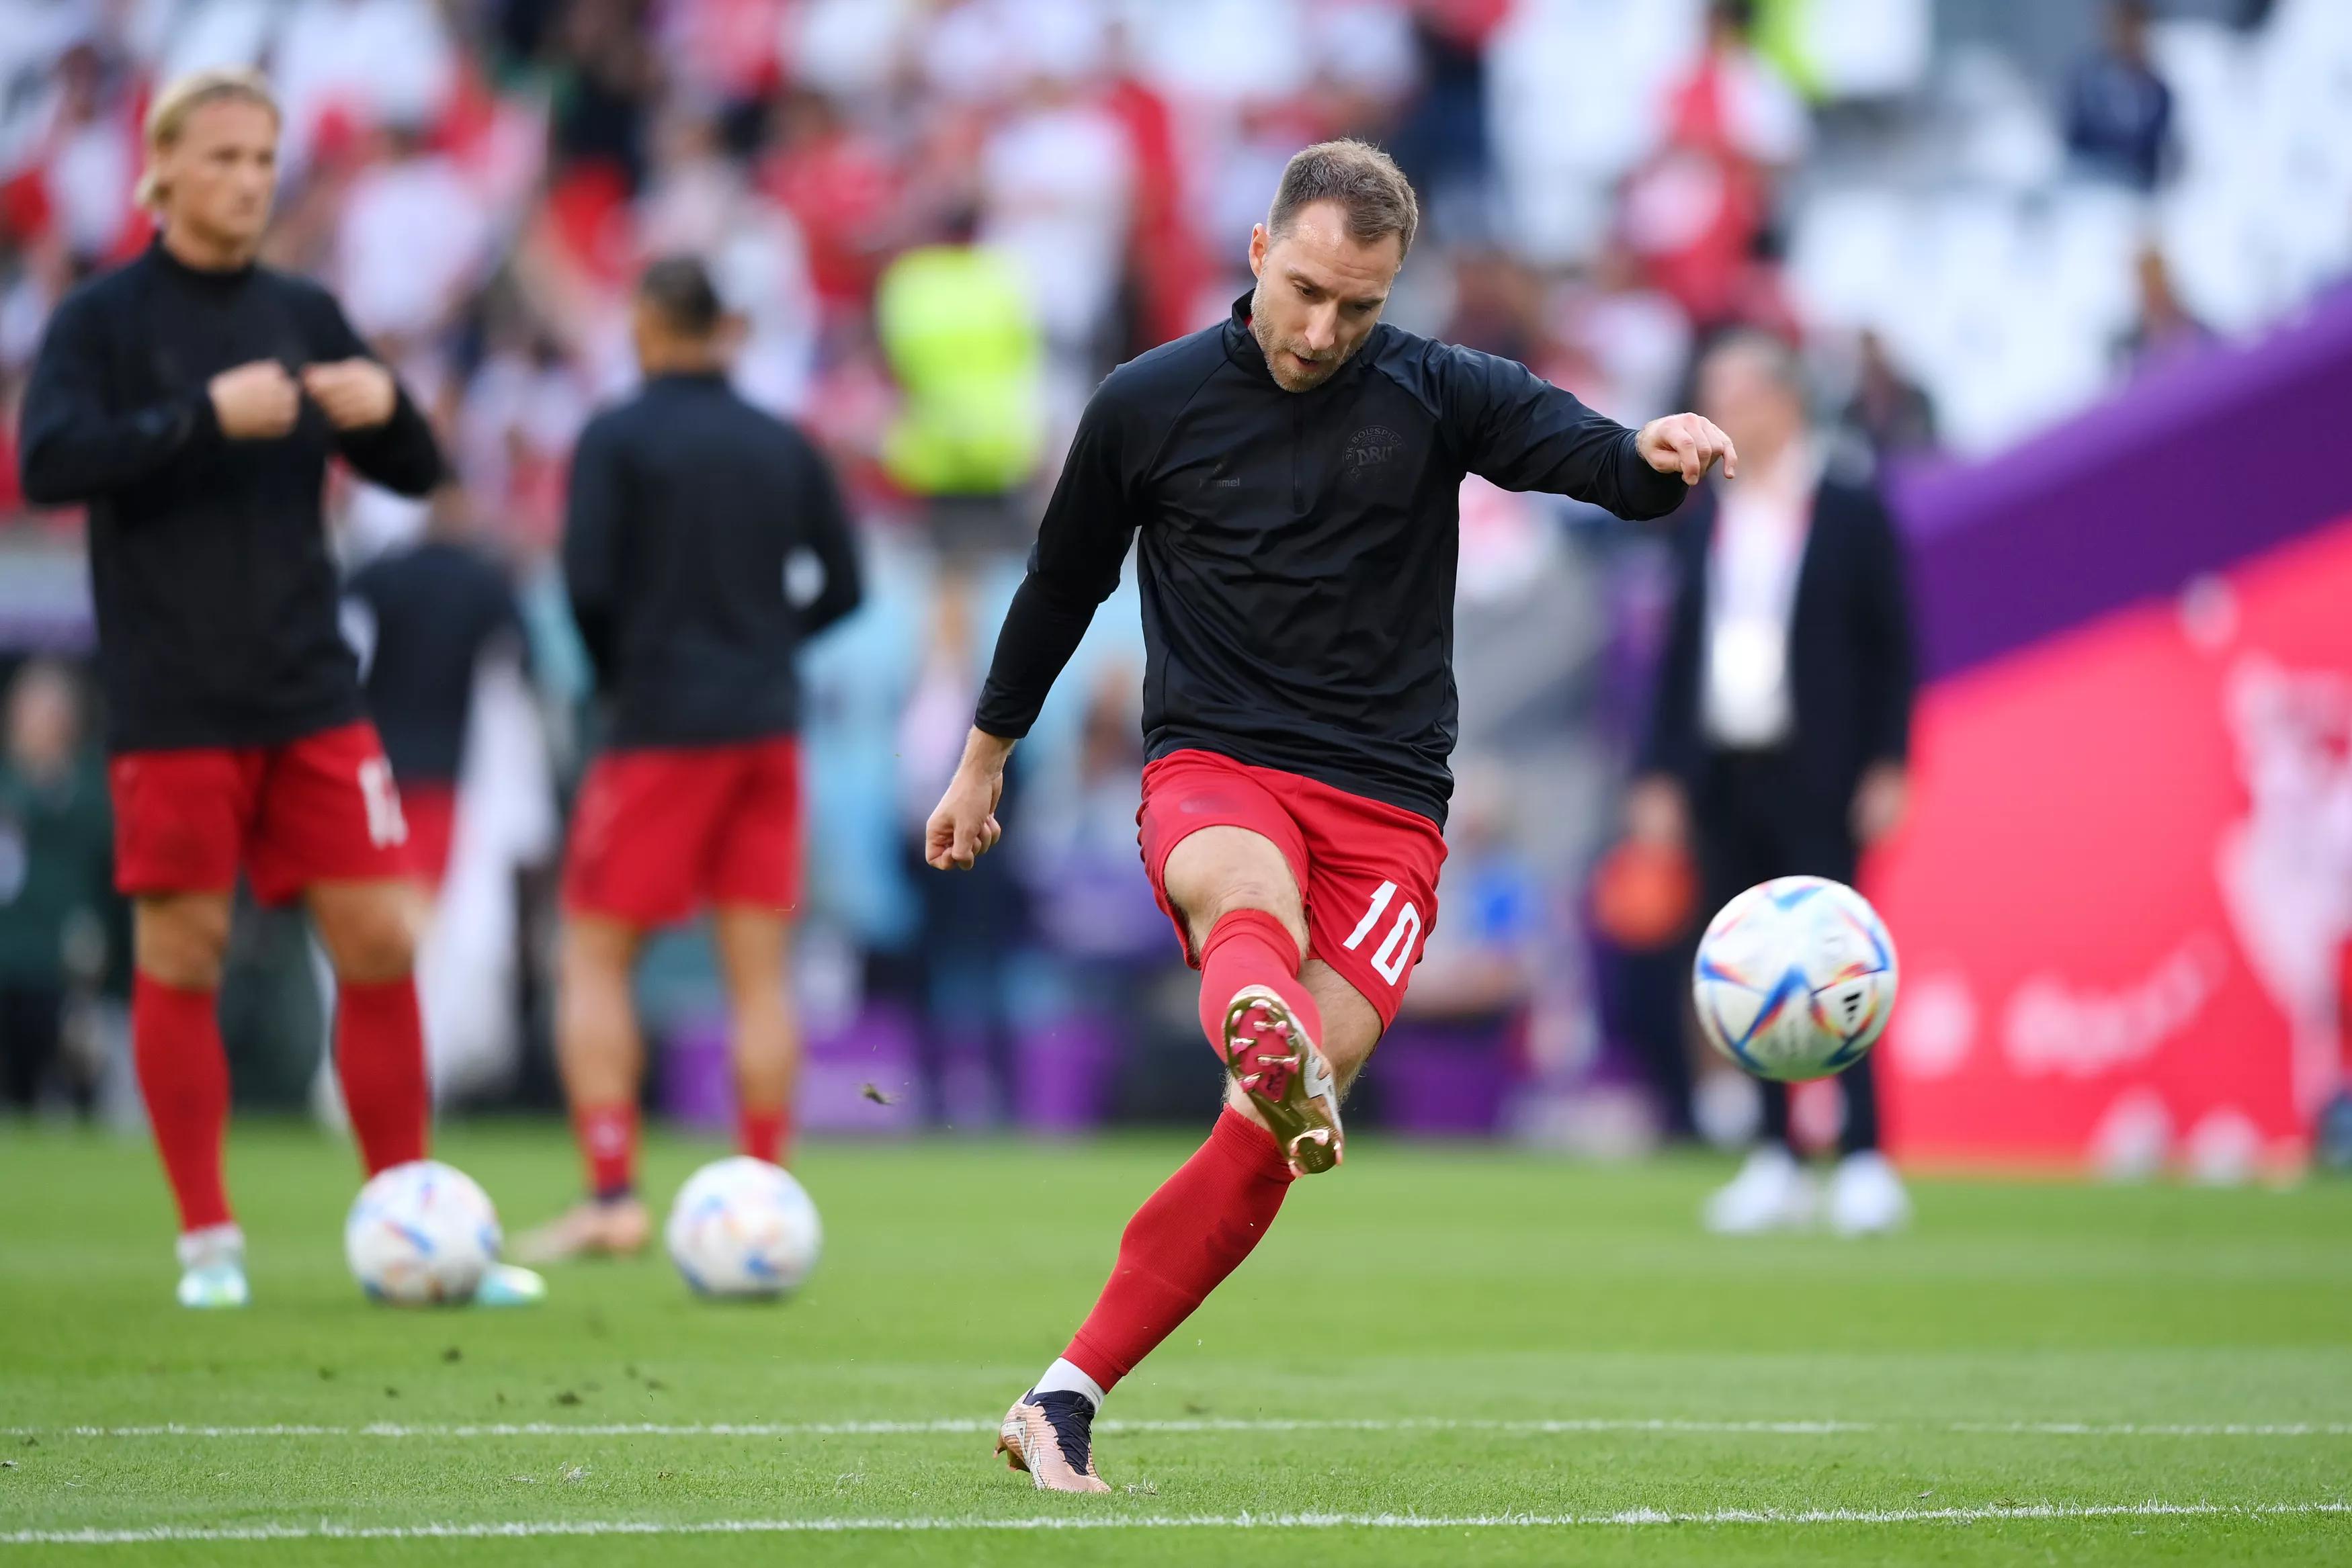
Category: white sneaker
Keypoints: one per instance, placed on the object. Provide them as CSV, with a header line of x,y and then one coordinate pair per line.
x,y
510,1285
212,1268
1771,1192
1867,1197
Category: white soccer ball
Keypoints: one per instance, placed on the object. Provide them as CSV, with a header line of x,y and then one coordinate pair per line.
x,y
1795,978
741,1226
421,1233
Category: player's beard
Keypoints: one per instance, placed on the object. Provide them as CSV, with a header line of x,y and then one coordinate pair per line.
x,y
1277,352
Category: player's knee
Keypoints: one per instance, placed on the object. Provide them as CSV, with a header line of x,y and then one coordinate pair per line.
x,y
1264,894
378,949
595,954
182,941
370,936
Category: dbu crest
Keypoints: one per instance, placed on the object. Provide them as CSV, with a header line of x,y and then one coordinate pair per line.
x,y
1369,449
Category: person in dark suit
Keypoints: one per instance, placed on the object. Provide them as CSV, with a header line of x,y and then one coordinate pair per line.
x,y
1781,724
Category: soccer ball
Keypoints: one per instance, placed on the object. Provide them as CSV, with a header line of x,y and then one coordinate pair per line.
x,y
741,1226
1795,978
421,1233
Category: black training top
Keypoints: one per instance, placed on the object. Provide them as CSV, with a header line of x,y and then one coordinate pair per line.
x,y
215,592
434,613
1299,548
688,509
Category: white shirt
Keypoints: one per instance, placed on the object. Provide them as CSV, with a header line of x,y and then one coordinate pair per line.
x,y
1751,592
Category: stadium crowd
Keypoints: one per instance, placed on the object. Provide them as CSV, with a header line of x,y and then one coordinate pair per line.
x,y
941,222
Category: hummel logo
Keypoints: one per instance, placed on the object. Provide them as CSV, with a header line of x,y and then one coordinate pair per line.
x,y
1223,480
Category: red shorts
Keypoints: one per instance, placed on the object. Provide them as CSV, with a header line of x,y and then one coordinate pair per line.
x,y
661,832
1368,869
431,808
320,808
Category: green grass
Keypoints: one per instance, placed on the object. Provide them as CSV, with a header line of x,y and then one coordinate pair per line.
x,y
1417,1288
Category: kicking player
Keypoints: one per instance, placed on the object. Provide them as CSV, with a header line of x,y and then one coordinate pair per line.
x,y
1293,473
191,400
689,509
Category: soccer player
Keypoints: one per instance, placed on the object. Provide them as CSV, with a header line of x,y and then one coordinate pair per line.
x,y
427,618
191,400
689,512
1293,473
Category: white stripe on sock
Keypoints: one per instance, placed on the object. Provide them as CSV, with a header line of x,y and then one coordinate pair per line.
x,y
1063,1377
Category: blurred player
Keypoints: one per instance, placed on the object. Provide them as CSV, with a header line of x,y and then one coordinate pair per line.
x,y
689,512
191,400
1295,473
426,618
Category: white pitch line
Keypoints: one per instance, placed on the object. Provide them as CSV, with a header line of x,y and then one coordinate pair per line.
x,y
964,1427
326,1530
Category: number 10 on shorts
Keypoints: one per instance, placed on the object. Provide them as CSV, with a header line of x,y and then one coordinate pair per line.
x,y
1395,950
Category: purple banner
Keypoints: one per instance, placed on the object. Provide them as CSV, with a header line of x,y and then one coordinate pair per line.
x,y
2197,465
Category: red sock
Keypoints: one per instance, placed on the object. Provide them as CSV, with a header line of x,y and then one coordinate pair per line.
x,y
1251,947
764,1135
184,1076
608,1142
379,1052
1181,1245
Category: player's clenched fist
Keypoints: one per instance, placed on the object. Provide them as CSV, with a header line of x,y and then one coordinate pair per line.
x,y
357,394
258,402
1687,445
964,826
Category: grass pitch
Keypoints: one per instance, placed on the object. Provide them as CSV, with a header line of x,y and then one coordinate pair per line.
x,y
1458,1356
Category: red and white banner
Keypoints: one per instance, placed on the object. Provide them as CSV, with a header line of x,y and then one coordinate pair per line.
x,y
2124,900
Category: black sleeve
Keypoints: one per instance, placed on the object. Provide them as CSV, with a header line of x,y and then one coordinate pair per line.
x,y
1888,644
1671,746
826,529
1511,426
400,454
594,506
75,448
1073,568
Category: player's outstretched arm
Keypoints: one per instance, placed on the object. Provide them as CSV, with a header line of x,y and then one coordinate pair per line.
x,y
1517,430
964,826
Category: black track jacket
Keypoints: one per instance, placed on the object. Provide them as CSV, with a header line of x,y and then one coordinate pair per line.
x,y
216,597
688,507
1297,548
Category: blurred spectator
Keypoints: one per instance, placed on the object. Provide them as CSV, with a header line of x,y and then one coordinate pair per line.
x,y
605,89
972,923
1478,965
2165,330
1781,728
1698,208
412,240
76,187
1625,344
1888,411
56,873
956,323
2118,110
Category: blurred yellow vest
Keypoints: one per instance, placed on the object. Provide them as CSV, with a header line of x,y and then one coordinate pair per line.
x,y
961,342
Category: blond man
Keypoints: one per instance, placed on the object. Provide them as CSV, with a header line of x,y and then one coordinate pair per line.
x,y
191,400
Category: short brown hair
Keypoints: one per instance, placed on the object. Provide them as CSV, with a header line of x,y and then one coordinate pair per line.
x,y
168,116
1366,182
680,290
